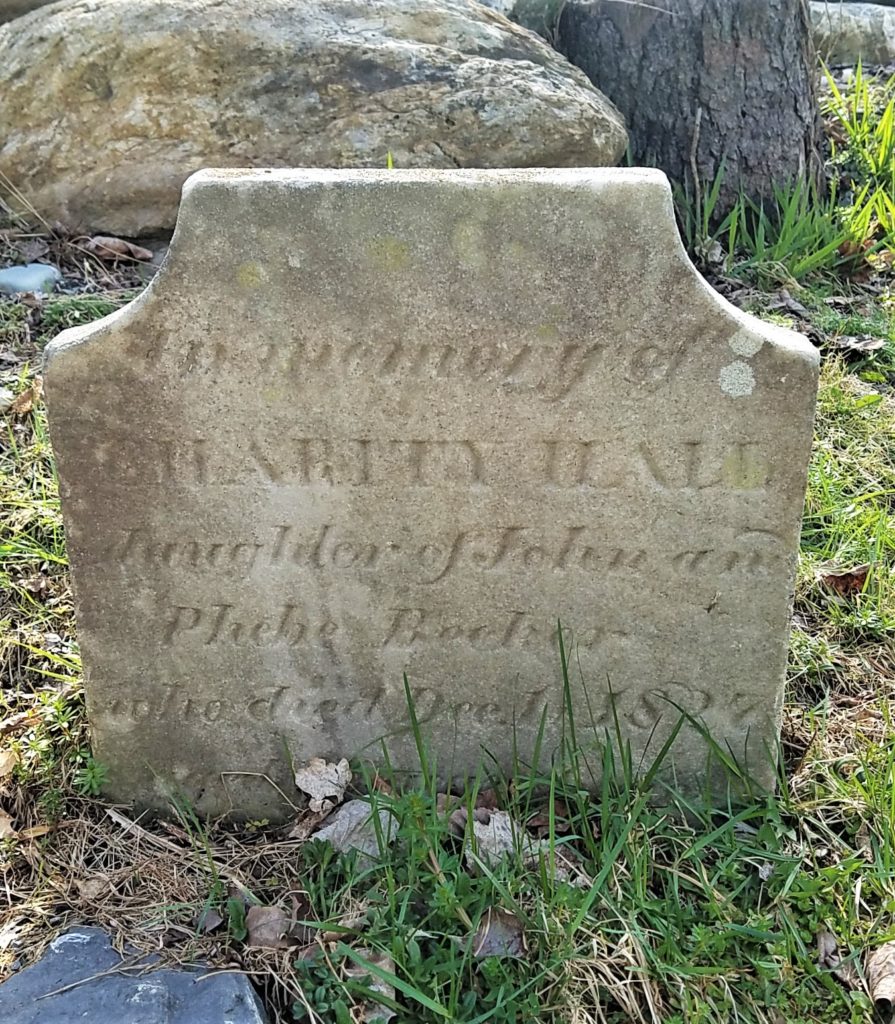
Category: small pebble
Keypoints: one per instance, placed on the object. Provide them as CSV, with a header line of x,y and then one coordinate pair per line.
x,y
33,277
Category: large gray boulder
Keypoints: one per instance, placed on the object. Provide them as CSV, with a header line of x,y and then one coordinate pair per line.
x,y
541,16
845,33
108,105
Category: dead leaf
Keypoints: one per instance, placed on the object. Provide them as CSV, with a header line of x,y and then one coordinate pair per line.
x,y
351,827
374,1013
827,951
499,934
24,402
829,959
459,816
306,823
268,927
323,781
107,247
8,760
208,921
487,799
880,972
861,343
92,888
500,836
39,586
848,581
6,829
787,302
381,786
31,249
540,822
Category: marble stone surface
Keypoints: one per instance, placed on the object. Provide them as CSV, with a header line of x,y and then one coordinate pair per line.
x,y
369,423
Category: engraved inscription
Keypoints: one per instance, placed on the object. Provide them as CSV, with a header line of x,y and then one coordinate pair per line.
x,y
636,708
545,367
221,623
680,467
575,548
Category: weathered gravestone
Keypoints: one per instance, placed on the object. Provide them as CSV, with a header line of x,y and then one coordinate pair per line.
x,y
369,423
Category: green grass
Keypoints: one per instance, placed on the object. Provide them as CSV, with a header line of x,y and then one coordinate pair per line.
x,y
801,233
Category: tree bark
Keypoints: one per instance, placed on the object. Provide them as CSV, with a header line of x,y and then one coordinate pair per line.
x,y
706,83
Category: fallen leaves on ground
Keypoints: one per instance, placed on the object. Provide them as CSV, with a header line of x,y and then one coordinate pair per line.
x,y
787,303
373,1012
306,823
323,781
107,247
352,827
24,402
540,822
93,887
860,343
829,959
847,581
268,927
880,972
499,933
496,835
6,829
8,761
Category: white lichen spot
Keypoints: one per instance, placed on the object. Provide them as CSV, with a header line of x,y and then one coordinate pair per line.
x,y
746,343
71,938
737,379
294,260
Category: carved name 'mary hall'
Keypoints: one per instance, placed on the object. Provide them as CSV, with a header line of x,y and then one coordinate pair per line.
x,y
366,424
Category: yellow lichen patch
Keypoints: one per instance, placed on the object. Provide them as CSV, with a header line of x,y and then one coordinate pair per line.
x,y
468,240
251,274
742,471
389,253
547,332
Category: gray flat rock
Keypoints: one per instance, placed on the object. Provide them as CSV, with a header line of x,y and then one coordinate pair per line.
x,y
76,980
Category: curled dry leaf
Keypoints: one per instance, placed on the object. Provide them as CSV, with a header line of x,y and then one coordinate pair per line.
x,y
829,959
499,836
861,343
373,1012
324,782
459,816
499,933
786,302
107,247
24,402
208,921
540,822
848,581
268,927
306,823
8,760
880,973
6,829
92,888
352,828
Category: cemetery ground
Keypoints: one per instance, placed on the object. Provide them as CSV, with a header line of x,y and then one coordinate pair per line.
x,y
523,898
